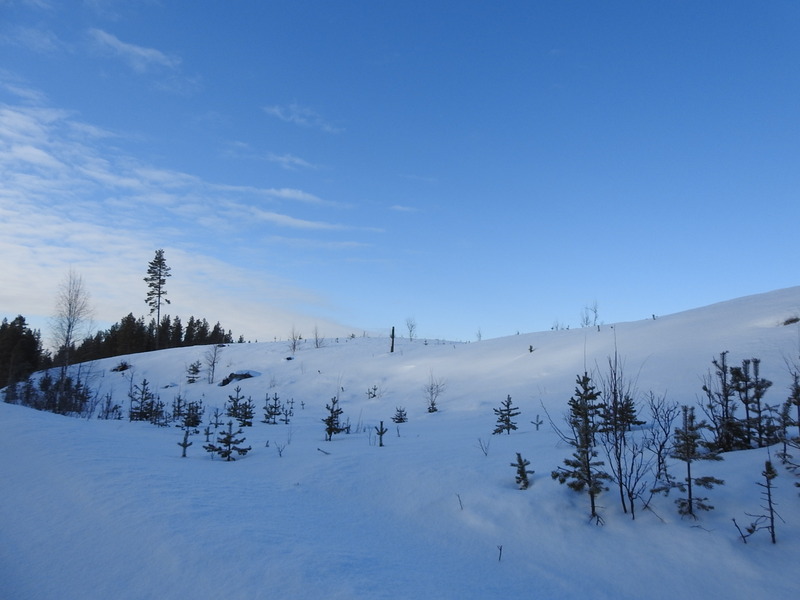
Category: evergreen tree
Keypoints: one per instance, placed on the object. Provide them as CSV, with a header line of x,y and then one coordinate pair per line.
x,y
751,390
240,409
522,472
190,332
273,408
381,431
505,415
689,447
720,407
176,333
185,443
156,280
582,471
794,396
178,408
332,423
21,351
227,444
763,416
145,404
193,416
400,415
193,372
769,473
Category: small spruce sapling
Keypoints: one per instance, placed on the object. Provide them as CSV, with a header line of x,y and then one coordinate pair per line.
x,y
216,422
185,443
505,415
332,423
193,372
769,473
400,415
193,416
582,471
240,409
273,408
522,472
227,444
689,447
381,431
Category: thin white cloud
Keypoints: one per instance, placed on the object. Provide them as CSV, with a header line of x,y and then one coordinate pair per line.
x,y
32,156
290,162
316,244
293,222
402,208
138,57
293,194
301,115
103,212
41,41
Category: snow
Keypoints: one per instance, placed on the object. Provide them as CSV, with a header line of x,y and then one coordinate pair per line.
x,y
109,509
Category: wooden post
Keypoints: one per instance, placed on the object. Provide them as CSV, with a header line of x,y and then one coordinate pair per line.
x,y
392,350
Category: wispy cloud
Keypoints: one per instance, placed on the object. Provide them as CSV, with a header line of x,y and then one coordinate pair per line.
x,y
301,115
42,41
293,222
304,243
71,197
140,58
290,162
297,195
402,208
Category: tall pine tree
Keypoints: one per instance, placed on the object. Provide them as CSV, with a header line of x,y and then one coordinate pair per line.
x,y
157,273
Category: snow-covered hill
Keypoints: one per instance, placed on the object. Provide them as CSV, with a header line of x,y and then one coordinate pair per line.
x,y
109,509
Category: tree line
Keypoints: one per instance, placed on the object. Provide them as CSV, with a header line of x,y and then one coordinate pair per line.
x,y
22,352
132,335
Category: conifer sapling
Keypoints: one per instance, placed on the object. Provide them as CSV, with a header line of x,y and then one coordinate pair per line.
x,y
522,473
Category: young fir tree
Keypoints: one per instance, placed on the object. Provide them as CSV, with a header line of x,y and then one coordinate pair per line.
x,y
227,444
720,407
185,443
193,416
273,408
751,388
505,415
332,423
689,447
240,409
193,372
582,471
522,472
769,473
381,431
400,415
145,405
794,397
178,409
763,415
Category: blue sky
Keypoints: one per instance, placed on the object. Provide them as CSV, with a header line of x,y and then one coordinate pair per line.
x,y
475,166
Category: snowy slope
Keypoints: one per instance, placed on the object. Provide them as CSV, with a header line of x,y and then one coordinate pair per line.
x,y
109,509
